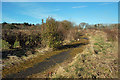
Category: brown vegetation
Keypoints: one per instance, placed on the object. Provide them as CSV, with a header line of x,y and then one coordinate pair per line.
x,y
60,36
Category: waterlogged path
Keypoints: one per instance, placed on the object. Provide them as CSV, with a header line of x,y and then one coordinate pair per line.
x,y
48,63
42,65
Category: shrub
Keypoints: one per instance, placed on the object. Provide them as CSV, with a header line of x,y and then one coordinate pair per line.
x,y
25,39
112,34
50,35
9,36
67,24
22,38
9,26
34,40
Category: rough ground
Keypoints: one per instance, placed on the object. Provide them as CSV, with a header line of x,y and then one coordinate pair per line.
x,y
42,62
98,60
42,65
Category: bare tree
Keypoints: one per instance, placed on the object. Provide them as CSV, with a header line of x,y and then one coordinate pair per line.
x,y
83,25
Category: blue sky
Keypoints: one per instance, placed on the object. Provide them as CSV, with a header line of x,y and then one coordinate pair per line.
x,y
77,12
60,0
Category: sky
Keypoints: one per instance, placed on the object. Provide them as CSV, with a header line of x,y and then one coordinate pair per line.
x,y
76,12
60,0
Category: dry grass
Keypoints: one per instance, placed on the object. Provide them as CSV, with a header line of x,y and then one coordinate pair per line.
x,y
72,54
26,62
98,60
112,34
33,59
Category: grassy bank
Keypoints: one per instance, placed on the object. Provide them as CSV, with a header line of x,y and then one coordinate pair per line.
x,y
98,60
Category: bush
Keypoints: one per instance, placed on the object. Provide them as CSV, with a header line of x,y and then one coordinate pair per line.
x,y
9,36
50,36
34,40
112,34
25,39
67,24
9,26
22,38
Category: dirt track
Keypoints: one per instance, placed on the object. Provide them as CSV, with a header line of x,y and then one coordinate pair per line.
x,y
42,66
48,63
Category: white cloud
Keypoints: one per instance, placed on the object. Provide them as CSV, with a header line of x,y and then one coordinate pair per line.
x,y
8,19
79,6
40,13
53,10
105,3
33,10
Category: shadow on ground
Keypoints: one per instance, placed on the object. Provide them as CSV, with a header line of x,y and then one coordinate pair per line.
x,y
37,68
70,46
19,52
73,45
49,62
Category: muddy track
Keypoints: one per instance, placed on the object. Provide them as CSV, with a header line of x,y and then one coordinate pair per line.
x,y
49,62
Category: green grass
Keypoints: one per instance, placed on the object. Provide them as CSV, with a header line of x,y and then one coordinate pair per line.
x,y
4,44
16,44
96,44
